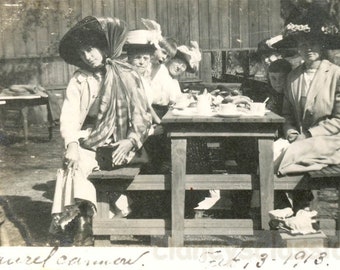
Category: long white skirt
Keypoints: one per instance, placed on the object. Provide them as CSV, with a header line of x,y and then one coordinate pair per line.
x,y
72,186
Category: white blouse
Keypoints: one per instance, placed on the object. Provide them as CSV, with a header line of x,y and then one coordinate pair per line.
x,y
165,89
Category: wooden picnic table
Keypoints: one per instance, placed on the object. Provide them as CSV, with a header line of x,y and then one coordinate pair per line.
x,y
21,103
182,127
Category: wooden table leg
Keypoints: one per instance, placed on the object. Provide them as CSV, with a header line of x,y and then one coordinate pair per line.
x,y
50,121
266,170
178,161
24,113
337,226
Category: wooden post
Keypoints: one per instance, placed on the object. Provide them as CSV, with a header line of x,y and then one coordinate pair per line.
x,y
205,69
178,167
337,227
266,166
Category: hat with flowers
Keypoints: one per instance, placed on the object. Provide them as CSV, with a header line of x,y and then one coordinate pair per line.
x,y
191,55
315,25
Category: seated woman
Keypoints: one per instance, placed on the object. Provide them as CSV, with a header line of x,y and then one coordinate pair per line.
x,y
140,48
186,59
311,104
165,90
105,103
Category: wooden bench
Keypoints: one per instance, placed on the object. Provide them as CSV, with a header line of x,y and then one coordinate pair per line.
x,y
130,179
328,177
124,179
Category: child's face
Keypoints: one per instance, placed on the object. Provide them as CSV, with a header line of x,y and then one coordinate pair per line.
x,y
92,57
278,81
176,67
161,55
141,61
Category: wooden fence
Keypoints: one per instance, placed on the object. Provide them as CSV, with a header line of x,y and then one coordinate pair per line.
x,y
215,24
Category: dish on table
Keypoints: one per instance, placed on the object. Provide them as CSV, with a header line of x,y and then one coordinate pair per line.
x,y
191,111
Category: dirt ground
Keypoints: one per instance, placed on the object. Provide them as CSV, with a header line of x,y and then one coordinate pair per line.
x,y
27,179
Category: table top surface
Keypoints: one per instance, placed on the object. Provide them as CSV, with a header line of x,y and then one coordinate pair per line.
x,y
20,97
269,117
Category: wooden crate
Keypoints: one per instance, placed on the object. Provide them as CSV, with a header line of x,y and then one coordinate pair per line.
x,y
306,241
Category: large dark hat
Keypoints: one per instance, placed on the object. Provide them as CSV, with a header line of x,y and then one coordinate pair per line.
x,y
265,48
314,25
87,32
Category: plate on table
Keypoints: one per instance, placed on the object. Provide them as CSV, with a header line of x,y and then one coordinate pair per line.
x,y
235,114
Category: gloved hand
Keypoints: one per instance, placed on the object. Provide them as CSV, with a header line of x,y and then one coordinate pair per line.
x,y
281,214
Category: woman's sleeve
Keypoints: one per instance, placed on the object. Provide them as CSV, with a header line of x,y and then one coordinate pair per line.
x,y
140,113
70,113
175,90
330,126
289,127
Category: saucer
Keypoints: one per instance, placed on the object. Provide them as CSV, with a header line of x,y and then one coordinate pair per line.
x,y
235,114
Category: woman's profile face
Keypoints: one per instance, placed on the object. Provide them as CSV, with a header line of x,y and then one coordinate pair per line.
x,y
161,55
176,67
92,57
309,50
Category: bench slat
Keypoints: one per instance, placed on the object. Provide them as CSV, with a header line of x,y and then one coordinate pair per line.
x,y
161,227
121,173
163,182
130,226
329,171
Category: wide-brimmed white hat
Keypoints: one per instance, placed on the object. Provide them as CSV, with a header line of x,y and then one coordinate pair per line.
x,y
191,55
138,41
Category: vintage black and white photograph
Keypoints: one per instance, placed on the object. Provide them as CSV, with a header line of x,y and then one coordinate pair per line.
x,y
159,124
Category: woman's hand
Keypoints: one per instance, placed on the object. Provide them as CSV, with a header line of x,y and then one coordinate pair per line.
x,y
119,155
71,157
301,137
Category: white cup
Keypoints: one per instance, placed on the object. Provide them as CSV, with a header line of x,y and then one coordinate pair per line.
x,y
258,108
228,108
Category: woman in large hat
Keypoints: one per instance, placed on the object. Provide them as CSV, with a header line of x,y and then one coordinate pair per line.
x,y
187,59
165,90
105,103
311,105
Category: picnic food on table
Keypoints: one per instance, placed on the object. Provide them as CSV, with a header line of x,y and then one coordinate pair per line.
x,y
216,97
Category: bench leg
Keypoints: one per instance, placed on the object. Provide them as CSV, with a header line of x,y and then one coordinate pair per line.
x,y
103,204
102,241
24,113
314,203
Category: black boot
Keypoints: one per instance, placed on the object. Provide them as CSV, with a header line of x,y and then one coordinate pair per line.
x,y
84,233
55,234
